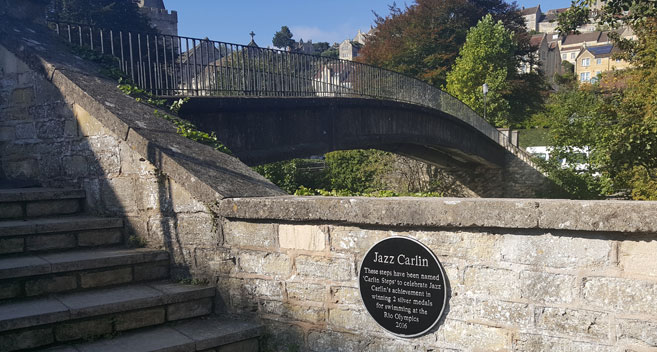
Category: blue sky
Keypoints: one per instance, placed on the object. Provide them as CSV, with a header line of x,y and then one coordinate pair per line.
x,y
326,20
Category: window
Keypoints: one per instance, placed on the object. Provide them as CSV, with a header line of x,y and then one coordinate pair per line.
x,y
586,62
598,61
585,76
564,56
572,55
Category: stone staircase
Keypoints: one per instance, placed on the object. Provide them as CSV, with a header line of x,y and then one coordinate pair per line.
x,y
67,283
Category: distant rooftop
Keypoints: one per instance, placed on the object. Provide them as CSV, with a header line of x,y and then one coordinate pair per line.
x,y
573,39
601,51
529,10
536,40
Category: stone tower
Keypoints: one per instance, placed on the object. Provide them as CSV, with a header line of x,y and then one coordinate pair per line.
x,y
166,22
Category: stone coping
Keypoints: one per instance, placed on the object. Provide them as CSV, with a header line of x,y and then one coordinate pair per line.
x,y
207,174
607,216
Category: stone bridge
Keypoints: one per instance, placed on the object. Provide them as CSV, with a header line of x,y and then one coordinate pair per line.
x,y
270,105
261,130
264,130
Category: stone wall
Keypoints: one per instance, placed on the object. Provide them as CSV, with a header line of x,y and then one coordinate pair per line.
x,y
523,275
48,140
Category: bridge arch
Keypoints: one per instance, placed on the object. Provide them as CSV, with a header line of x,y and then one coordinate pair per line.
x,y
264,130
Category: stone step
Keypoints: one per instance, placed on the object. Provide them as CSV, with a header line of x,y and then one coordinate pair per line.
x,y
64,232
37,202
38,274
60,318
201,334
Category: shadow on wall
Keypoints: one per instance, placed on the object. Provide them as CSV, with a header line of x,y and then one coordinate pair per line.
x,y
47,141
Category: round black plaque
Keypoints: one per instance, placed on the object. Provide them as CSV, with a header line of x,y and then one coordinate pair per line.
x,y
402,285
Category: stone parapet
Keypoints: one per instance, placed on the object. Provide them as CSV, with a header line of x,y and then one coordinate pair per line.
x,y
608,216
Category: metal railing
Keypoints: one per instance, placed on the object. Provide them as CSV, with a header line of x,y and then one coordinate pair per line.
x,y
167,65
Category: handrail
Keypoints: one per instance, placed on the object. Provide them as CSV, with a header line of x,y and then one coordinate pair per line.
x,y
172,66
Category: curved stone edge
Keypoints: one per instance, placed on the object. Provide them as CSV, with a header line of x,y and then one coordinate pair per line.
x,y
208,174
603,216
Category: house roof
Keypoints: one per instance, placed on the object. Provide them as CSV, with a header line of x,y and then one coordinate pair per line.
x,y
206,50
529,10
601,51
581,38
535,40
571,48
550,17
557,11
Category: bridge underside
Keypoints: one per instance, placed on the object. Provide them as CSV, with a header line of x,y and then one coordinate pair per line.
x,y
264,130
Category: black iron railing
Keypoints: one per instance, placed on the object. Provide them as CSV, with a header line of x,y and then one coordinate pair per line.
x,y
167,65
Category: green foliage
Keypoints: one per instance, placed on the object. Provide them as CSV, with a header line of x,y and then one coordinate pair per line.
x,y
643,183
283,38
354,170
570,20
294,174
320,47
370,173
345,172
184,127
423,39
486,57
573,116
568,78
575,183
112,14
532,137
189,131
616,118
332,52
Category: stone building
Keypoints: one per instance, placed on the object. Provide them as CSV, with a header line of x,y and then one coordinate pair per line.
x,y
349,48
593,61
165,21
546,57
572,45
538,21
304,47
334,79
532,16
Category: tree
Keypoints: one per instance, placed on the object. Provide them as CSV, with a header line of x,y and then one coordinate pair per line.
x,y
113,14
320,47
486,57
621,130
332,52
283,38
423,40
